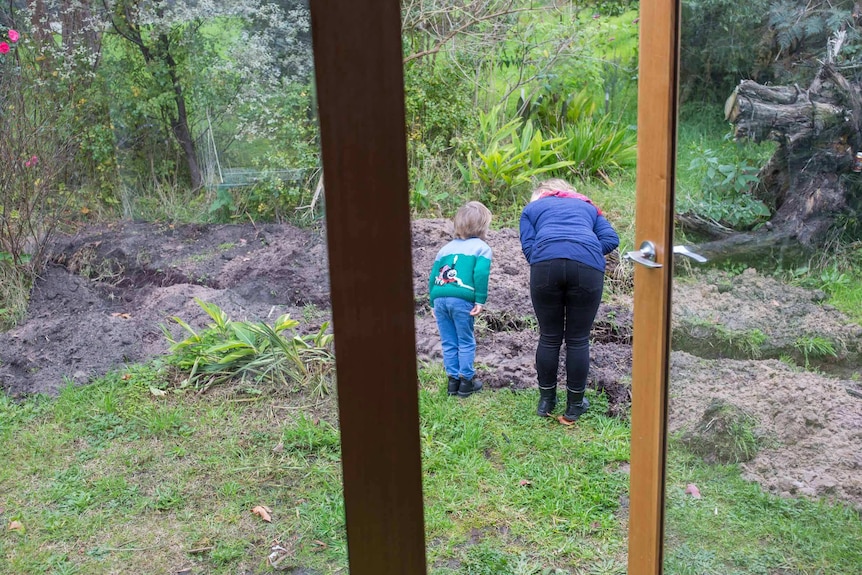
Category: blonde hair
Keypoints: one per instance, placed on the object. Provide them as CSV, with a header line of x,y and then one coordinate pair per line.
x,y
472,221
552,185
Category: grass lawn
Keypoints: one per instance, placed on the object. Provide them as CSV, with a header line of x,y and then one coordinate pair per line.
x,y
113,478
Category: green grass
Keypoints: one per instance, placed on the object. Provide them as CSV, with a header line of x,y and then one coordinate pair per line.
x,y
848,297
737,529
112,478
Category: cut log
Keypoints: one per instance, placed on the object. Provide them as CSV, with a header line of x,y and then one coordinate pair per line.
x,y
808,182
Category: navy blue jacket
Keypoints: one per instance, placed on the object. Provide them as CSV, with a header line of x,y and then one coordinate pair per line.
x,y
568,228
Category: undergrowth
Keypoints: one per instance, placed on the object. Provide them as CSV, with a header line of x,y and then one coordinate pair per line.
x,y
252,353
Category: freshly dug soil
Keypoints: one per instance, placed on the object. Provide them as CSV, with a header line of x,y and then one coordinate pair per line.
x,y
111,289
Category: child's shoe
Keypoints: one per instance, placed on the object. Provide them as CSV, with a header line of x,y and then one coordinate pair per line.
x,y
468,387
454,384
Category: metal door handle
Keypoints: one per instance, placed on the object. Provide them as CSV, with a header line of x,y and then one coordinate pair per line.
x,y
644,256
684,251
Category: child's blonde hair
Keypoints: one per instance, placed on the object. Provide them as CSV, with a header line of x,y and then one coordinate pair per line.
x,y
472,221
552,185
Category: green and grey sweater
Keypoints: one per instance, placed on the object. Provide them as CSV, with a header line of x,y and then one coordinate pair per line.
x,y
461,270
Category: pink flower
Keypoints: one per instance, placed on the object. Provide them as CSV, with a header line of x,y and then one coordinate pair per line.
x,y
4,48
13,36
31,162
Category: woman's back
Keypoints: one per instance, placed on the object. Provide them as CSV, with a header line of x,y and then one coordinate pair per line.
x,y
568,228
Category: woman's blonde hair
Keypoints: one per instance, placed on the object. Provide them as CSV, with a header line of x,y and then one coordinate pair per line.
x,y
552,185
472,221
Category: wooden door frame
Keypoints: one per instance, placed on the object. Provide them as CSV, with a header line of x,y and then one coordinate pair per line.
x,y
359,73
360,88
657,119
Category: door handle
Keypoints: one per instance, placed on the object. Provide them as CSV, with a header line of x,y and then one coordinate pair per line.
x,y
684,251
645,256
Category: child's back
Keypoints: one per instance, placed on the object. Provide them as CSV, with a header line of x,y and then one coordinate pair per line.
x,y
457,290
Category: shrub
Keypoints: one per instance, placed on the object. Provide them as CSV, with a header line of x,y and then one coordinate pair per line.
x,y
252,352
723,195
508,156
38,140
597,147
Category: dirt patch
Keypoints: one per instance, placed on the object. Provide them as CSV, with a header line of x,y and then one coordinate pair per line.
x,y
101,303
751,316
811,426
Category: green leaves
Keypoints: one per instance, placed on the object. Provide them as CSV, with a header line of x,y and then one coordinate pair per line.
x,y
596,147
253,352
724,185
509,156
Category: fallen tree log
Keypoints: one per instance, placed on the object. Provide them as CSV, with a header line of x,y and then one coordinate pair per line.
x,y
809,181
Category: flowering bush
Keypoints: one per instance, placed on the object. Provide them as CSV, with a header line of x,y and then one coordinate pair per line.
x,y
37,145
13,37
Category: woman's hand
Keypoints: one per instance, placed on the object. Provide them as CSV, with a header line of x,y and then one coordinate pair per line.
x,y
477,309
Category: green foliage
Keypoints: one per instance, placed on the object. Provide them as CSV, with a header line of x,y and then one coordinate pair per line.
x,y
814,347
801,29
556,112
509,155
512,154
725,434
40,132
253,353
598,147
273,197
715,338
438,106
426,197
721,42
15,283
830,279
440,113
723,193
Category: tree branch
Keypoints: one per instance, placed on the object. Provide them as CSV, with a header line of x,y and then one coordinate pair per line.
x,y
452,33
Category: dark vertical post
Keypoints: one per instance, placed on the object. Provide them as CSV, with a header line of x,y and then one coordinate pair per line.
x,y
357,53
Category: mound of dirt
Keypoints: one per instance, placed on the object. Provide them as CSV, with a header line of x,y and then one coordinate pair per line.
x,y
102,302
751,316
811,427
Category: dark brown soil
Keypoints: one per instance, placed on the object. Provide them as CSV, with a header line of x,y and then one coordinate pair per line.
x,y
110,289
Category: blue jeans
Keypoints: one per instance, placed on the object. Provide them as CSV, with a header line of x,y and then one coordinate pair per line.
x,y
456,334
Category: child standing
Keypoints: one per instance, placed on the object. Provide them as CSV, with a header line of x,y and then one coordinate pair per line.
x,y
458,289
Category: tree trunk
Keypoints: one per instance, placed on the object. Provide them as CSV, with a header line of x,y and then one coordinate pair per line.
x,y
180,122
809,180
79,29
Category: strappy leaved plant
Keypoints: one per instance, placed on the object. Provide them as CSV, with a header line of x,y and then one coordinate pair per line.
x,y
252,352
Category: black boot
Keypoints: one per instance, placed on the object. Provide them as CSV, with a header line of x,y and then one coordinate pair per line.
x,y
454,384
469,387
576,405
547,401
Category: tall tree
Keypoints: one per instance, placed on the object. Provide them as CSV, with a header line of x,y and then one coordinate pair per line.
x,y
225,55
160,47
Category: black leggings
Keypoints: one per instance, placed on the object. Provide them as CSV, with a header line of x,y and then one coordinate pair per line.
x,y
566,295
